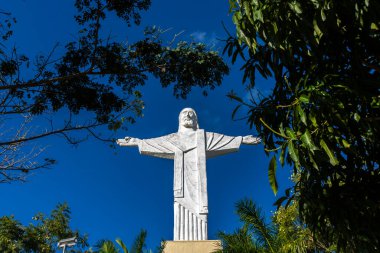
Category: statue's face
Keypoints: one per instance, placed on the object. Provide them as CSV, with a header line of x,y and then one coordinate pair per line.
x,y
188,118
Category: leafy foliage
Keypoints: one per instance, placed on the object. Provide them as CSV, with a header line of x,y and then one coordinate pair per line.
x,y
139,243
43,234
238,242
138,246
40,236
95,75
322,115
255,235
107,246
284,234
294,235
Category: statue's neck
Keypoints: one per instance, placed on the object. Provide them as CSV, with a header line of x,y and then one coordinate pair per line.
x,y
187,131
188,138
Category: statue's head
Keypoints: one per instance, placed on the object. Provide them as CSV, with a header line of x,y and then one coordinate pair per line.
x,y
188,119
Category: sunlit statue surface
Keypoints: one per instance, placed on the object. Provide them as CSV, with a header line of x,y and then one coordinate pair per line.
x,y
189,147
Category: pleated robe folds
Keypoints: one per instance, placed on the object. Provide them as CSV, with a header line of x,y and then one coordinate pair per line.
x,y
190,151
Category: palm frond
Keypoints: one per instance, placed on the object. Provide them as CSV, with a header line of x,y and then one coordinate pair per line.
x,y
122,245
160,249
252,217
139,243
238,242
105,246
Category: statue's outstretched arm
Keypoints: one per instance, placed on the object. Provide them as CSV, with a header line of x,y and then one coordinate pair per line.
x,y
251,140
128,141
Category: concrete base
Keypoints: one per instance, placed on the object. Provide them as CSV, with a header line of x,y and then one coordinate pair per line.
x,y
208,246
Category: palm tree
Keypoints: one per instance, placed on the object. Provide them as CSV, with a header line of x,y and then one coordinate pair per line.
x,y
239,241
285,233
106,246
138,246
255,235
139,242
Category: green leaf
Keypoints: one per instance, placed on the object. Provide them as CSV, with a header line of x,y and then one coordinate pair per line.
x,y
234,55
235,19
290,133
247,9
258,15
122,245
279,201
308,141
235,110
272,175
281,128
333,160
313,119
275,28
293,153
304,98
234,97
356,117
315,165
317,32
233,5
374,26
296,7
282,155
302,114
346,144
323,15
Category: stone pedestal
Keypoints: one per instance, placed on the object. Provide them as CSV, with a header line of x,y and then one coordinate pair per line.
x,y
207,246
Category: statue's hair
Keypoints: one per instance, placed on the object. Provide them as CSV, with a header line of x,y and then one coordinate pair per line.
x,y
179,118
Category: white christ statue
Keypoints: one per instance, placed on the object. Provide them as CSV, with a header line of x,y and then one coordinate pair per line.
x,y
189,147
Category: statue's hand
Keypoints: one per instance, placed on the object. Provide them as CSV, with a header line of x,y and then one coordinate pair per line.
x,y
250,140
128,141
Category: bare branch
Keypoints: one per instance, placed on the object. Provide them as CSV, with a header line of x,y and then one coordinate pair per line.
x,y
48,133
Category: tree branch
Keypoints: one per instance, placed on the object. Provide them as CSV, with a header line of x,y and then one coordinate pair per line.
x,y
58,131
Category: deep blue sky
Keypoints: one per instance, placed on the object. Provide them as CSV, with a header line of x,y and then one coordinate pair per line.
x,y
115,193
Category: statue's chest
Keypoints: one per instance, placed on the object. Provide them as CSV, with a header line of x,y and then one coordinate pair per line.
x,y
188,141
184,141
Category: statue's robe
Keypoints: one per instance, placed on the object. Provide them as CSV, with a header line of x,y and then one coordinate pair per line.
x,y
190,151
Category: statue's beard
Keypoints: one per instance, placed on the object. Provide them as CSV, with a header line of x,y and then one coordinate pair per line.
x,y
188,123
